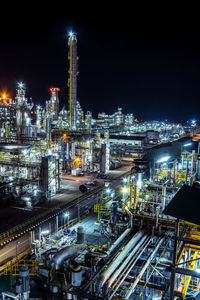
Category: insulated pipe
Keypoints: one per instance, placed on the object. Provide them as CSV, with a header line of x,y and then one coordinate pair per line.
x,y
128,268
130,215
114,245
120,257
67,252
164,190
134,284
123,265
118,241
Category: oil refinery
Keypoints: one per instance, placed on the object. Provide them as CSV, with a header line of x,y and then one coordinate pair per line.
x,y
104,208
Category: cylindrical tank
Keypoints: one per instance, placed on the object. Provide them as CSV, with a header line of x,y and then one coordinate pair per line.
x,y
80,235
76,278
76,273
24,271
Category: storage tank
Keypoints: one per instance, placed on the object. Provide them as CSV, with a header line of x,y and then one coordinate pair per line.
x,y
76,274
80,235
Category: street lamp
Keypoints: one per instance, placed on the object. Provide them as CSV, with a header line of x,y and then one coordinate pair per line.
x,y
124,190
125,180
163,159
108,190
187,145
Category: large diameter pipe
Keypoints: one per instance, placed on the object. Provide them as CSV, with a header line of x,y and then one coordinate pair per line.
x,y
118,241
123,265
120,257
67,252
114,245
129,267
134,284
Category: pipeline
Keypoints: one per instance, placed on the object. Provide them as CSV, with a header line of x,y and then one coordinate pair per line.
x,y
118,241
118,259
164,191
114,245
67,252
123,265
129,267
130,215
134,284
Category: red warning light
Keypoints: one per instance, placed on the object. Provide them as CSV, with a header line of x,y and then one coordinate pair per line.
x,y
54,89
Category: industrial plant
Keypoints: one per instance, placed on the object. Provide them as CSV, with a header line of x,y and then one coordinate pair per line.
x,y
96,208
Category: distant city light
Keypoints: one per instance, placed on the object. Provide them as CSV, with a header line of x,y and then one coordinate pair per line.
x,y
163,159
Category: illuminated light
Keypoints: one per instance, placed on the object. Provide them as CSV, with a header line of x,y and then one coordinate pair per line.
x,y
77,160
125,190
197,270
125,180
66,214
139,184
163,159
4,96
108,190
187,145
20,85
45,232
70,34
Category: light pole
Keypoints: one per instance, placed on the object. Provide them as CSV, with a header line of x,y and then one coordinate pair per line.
x,y
17,243
67,215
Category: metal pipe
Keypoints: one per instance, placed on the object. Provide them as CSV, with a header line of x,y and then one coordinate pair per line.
x,y
129,267
134,284
118,259
121,268
130,215
164,190
118,241
67,252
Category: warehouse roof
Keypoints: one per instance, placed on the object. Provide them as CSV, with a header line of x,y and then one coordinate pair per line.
x,y
185,205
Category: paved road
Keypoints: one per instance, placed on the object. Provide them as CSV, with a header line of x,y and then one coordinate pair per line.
x,y
75,209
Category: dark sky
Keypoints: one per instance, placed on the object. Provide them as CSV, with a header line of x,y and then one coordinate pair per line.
x,y
148,64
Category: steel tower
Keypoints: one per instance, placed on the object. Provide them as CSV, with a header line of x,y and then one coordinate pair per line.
x,y
72,80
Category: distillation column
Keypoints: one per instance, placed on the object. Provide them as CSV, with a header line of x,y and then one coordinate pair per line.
x,y
72,80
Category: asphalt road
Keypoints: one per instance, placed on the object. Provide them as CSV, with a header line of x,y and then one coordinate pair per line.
x,y
75,209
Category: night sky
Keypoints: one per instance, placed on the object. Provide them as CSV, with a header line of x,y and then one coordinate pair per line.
x,y
148,66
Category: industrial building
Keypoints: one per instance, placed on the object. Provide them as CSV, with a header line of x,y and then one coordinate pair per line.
x,y
45,136
88,232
